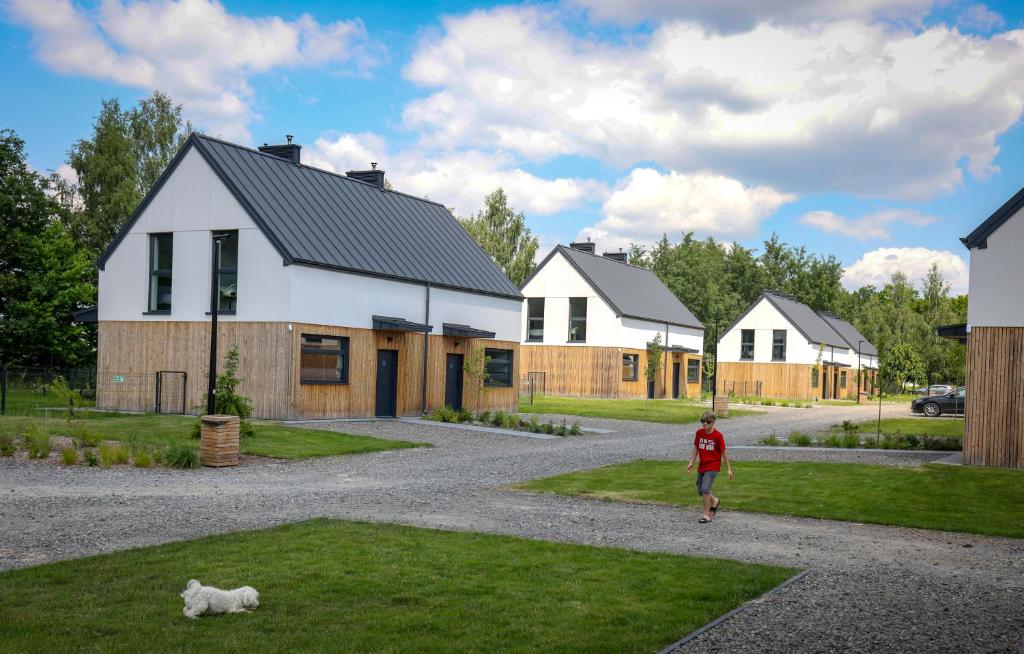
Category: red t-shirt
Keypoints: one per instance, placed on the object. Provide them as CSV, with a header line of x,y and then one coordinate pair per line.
x,y
710,448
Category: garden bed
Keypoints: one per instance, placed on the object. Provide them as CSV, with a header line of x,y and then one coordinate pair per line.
x,y
502,420
849,435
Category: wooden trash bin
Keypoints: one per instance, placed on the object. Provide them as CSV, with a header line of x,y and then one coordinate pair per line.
x,y
218,445
722,405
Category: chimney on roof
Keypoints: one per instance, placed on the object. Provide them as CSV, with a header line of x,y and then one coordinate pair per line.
x,y
372,176
620,256
288,151
585,246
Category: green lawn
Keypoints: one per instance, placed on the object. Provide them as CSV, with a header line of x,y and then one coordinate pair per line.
x,y
916,426
24,401
667,411
839,402
974,500
329,585
271,439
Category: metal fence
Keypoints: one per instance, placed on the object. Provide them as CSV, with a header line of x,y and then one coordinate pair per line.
x,y
532,384
50,391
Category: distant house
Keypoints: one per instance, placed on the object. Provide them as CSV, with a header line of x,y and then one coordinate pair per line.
x,y
345,299
994,333
587,322
780,347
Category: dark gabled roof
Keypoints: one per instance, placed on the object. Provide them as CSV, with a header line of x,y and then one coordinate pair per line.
x,y
317,218
802,317
391,324
979,237
630,291
849,333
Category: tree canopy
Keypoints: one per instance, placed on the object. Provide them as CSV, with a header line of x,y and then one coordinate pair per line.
x,y
503,234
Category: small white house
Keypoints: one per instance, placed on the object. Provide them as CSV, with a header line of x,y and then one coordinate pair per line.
x,y
344,298
780,347
587,322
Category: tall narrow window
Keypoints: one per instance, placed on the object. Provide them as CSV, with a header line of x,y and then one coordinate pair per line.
x,y
227,273
778,345
323,360
499,367
842,379
692,371
535,319
577,319
747,344
161,250
630,367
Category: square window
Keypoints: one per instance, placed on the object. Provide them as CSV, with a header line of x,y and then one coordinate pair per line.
x,y
323,360
499,367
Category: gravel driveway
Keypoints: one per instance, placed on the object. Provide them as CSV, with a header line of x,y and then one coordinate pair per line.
x,y
870,588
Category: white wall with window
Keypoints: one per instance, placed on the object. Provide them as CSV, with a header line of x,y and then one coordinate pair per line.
x,y
558,284
637,334
765,321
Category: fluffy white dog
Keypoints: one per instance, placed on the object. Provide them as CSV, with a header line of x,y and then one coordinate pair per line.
x,y
200,599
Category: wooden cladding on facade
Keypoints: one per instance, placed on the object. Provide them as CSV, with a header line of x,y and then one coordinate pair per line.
x,y
588,371
994,415
791,380
270,367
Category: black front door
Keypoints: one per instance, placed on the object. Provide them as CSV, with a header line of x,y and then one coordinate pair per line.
x,y
675,380
824,382
387,383
453,381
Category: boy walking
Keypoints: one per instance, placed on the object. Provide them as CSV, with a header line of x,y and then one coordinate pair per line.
x,y
709,445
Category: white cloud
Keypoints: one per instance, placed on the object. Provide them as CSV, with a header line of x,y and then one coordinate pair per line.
x,y
840,106
734,15
457,179
868,226
195,50
877,267
979,18
648,204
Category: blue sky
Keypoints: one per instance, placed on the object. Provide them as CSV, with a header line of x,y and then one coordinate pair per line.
x,y
876,130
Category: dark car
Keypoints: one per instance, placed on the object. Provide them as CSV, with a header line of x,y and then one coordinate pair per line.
x,y
936,405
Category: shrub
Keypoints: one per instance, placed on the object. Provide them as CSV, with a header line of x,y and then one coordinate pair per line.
x,y
849,427
66,396
533,425
85,436
462,415
38,442
575,430
106,455
498,419
7,446
181,455
772,440
69,456
851,441
832,441
768,402
549,428
196,431
561,430
444,414
943,443
245,429
783,403
143,459
483,417
90,458
800,439
510,421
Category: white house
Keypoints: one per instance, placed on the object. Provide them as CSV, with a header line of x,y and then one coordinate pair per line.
x,y
344,298
587,322
994,333
780,347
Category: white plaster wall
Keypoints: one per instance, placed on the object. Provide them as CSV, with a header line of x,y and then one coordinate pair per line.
x,y
556,282
494,314
996,295
192,203
764,318
638,333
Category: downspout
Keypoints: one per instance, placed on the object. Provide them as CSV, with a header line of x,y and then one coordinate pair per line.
x,y
664,373
426,346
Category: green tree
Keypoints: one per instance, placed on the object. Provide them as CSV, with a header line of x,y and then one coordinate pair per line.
x,y
157,132
44,277
654,354
901,364
503,234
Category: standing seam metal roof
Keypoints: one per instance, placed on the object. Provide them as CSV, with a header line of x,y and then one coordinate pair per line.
x,y
631,291
319,218
849,333
806,320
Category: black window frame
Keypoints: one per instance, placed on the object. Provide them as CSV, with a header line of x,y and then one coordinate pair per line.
x,y
531,302
489,359
778,347
695,365
221,270
577,321
635,361
744,344
155,272
842,379
342,352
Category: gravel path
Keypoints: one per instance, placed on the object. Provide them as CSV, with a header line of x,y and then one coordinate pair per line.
x,y
870,588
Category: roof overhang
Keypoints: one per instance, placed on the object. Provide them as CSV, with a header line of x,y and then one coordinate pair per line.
x,y
675,348
88,315
389,324
836,364
954,332
464,331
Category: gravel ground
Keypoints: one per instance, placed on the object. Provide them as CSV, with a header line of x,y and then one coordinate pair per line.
x,y
870,588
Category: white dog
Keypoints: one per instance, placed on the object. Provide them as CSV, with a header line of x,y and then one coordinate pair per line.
x,y
200,599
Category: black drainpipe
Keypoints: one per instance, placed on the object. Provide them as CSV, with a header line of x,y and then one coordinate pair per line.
x,y
664,373
426,347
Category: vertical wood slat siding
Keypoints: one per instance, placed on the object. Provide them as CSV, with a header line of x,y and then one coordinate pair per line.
x,y
994,413
585,371
783,380
269,368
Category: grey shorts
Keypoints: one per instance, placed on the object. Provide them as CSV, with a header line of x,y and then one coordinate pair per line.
x,y
704,481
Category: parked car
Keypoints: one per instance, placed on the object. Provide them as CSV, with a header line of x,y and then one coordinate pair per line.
x,y
936,405
935,389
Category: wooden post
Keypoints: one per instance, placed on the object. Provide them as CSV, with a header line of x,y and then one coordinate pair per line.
x,y
721,404
219,441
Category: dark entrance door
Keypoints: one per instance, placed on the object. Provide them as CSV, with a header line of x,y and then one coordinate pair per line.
x,y
453,381
675,379
824,382
387,383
